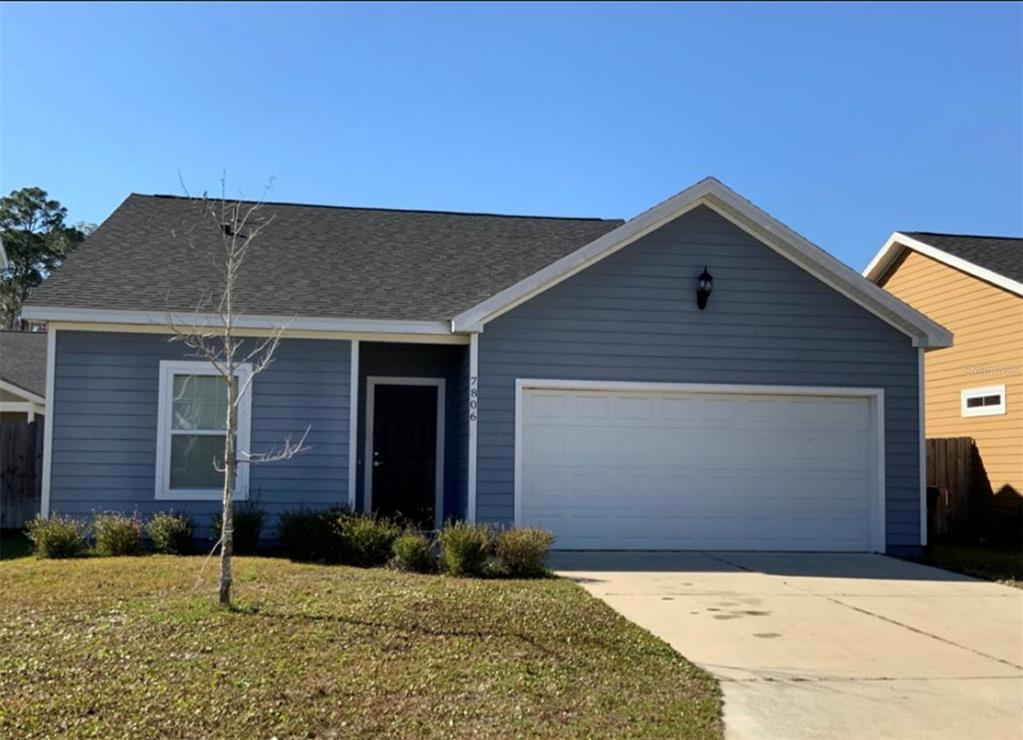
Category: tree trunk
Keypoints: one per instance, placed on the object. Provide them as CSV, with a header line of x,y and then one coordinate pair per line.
x,y
230,474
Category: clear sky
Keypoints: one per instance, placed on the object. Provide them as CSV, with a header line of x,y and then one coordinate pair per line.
x,y
844,121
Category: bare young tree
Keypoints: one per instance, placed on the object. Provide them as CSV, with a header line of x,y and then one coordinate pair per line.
x,y
212,333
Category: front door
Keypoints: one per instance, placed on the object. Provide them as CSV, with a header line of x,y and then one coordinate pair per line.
x,y
404,454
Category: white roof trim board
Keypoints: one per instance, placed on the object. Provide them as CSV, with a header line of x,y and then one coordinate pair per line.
x,y
17,390
183,318
712,193
898,242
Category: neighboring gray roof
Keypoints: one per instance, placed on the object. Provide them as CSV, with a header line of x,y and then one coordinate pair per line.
x,y
313,261
1001,254
23,360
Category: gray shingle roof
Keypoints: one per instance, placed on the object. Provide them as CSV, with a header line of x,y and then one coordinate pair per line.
x,y
23,360
314,261
1001,254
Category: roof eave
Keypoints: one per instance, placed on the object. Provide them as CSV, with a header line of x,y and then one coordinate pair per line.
x,y
172,318
899,242
17,390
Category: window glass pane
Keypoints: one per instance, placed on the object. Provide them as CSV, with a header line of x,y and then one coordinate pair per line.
x,y
992,400
974,402
200,402
192,457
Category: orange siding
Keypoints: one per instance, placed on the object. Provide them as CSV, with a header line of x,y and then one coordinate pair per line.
x,y
988,325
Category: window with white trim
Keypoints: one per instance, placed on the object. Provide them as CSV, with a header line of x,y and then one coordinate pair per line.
x,y
190,437
987,401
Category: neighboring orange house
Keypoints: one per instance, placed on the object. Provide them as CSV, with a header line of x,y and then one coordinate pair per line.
x,y
973,286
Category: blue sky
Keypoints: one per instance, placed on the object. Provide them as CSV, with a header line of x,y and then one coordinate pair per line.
x,y
844,121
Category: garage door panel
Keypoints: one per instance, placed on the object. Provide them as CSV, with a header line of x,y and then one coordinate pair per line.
x,y
676,470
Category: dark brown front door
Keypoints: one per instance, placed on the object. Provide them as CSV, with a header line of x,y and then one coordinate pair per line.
x,y
404,455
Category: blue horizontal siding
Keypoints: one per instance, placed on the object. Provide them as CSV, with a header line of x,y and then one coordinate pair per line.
x,y
633,317
105,425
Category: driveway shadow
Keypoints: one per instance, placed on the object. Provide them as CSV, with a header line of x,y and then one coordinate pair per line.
x,y
578,565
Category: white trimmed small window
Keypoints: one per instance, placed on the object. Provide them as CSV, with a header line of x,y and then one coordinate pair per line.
x,y
987,401
190,437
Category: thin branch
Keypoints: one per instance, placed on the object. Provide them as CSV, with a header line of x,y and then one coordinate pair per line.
x,y
286,451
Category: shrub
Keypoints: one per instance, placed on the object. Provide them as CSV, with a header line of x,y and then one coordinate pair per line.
x,y
171,533
311,535
58,536
522,553
367,540
248,523
412,553
117,534
464,548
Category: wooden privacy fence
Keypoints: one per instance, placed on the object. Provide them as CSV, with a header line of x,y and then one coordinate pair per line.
x,y
950,473
21,472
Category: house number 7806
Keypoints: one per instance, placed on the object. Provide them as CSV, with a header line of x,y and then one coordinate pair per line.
x,y
474,394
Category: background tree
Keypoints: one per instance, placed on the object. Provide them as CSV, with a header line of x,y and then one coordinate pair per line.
x,y
36,241
229,230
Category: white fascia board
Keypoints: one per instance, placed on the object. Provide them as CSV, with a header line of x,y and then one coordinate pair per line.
x,y
17,390
187,319
745,215
898,242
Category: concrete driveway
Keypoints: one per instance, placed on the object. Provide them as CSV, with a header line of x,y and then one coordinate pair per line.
x,y
829,646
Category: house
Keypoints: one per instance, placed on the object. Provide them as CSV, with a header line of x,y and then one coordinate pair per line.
x,y
699,376
974,286
22,376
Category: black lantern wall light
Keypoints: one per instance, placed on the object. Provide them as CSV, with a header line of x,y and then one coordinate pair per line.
x,y
704,288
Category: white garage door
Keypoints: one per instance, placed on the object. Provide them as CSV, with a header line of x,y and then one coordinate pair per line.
x,y
687,470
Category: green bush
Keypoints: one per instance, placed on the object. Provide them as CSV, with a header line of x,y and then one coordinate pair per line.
x,y
522,553
248,523
464,548
171,533
58,536
366,540
117,534
310,535
411,552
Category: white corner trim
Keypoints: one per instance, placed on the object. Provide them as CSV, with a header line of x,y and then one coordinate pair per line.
x,y
875,395
353,422
168,369
473,411
745,215
999,409
898,242
922,390
372,382
262,323
17,390
51,362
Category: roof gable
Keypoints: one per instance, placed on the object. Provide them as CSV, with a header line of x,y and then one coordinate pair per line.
x,y
996,260
727,203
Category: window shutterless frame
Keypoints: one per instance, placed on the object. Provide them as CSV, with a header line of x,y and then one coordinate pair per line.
x,y
986,401
169,369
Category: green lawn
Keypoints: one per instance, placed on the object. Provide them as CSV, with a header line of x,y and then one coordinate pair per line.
x,y
1002,563
117,647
